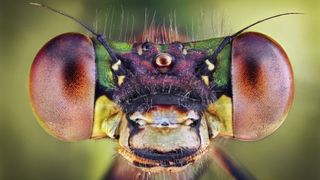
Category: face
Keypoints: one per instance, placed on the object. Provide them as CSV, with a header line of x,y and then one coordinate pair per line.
x,y
163,98
162,102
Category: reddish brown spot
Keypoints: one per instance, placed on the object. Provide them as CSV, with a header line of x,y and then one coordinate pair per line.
x,y
262,83
75,78
163,62
252,70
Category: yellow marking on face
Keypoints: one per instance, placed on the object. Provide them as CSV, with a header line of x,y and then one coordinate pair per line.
x,y
121,79
116,65
184,51
107,116
140,51
167,112
205,80
219,116
210,65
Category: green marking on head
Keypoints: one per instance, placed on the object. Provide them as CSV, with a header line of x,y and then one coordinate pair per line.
x,y
103,61
104,73
221,73
121,46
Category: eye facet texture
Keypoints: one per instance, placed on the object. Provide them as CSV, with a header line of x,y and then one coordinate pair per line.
x,y
62,86
262,86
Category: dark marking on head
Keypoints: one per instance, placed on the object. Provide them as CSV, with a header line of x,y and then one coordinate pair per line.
x,y
74,78
252,70
143,165
164,156
165,164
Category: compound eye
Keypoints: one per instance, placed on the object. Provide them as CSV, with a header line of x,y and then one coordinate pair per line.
x,y
62,85
262,86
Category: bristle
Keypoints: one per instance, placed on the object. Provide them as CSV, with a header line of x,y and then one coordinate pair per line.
x,y
126,29
121,23
167,31
201,23
213,29
111,24
169,27
121,169
152,24
162,35
105,23
175,26
192,29
131,39
96,25
144,35
164,32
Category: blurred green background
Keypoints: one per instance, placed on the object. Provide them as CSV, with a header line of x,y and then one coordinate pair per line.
x,y
27,152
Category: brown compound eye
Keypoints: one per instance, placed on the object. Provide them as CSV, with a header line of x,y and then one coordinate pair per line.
x,y
62,86
262,86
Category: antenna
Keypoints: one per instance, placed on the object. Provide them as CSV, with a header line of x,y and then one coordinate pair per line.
x,y
98,36
228,39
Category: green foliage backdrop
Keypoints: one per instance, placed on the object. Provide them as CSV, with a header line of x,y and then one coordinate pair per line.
x,y
27,152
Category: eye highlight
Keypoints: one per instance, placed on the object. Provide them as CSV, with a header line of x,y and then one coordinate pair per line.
x,y
181,47
178,45
146,46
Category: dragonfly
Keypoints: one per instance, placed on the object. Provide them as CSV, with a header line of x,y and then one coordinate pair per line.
x,y
163,99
